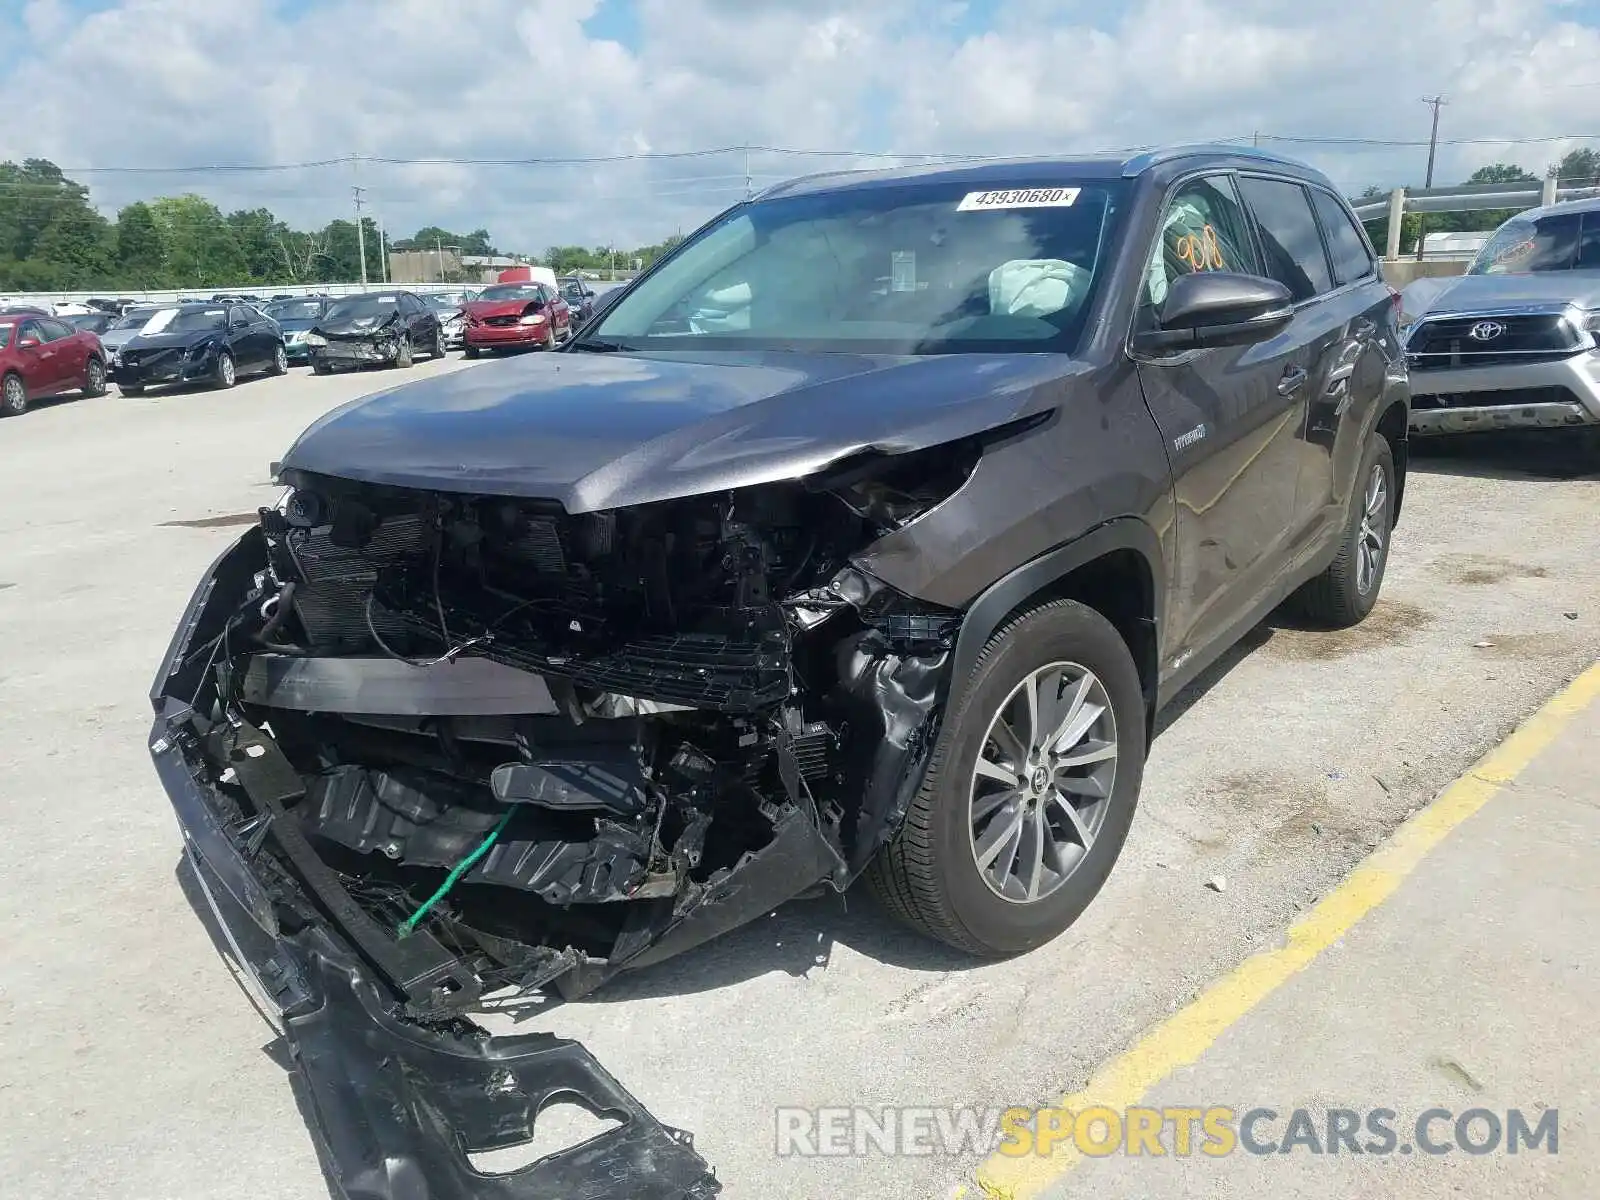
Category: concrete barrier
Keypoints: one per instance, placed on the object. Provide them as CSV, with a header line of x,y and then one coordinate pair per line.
x,y
1397,272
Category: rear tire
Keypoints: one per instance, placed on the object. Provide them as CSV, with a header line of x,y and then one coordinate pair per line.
x,y
929,874
438,350
318,367
13,396
131,389
470,352
1347,591
94,378
280,361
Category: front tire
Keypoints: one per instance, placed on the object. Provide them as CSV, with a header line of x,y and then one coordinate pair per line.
x,y
1347,591
94,378
13,396
225,374
438,350
318,367
470,352
402,354
131,389
1030,791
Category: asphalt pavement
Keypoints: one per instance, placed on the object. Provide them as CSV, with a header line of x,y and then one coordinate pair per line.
x,y
136,1069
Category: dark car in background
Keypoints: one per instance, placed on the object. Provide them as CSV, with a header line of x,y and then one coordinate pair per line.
x,y
296,318
44,356
580,299
516,316
96,322
199,343
375,329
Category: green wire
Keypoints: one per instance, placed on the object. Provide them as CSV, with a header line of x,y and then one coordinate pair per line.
x,y
409,925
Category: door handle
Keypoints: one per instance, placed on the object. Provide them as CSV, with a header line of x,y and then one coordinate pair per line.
x,y
1292,379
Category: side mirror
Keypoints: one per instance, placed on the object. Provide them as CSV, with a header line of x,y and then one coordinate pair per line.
x,y
1217,308
27,343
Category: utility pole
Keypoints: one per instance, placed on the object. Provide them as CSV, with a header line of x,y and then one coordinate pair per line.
x,y
1436,103
361,237
438,254
747,189
383,253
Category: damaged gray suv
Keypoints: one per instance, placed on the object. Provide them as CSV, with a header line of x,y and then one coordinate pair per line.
x,y
865,534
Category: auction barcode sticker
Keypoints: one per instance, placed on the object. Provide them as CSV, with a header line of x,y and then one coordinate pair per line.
x,y
1059,197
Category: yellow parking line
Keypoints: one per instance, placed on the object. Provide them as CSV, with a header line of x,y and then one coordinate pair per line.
x,y
1182,1038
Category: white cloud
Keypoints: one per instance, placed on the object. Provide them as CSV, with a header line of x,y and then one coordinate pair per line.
x,y
159,82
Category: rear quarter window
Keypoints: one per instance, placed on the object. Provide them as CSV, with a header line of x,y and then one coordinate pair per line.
x,y
1346,246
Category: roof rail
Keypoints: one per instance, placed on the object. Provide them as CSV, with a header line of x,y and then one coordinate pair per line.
x,y
1142,162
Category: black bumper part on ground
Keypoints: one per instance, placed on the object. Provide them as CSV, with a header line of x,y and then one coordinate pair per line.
x,y
395,1107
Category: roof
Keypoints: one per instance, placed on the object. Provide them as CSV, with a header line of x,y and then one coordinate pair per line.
x,y
1592,204
1037,171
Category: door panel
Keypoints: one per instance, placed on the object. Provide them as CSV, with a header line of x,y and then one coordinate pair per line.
x,y
39,364
1231,419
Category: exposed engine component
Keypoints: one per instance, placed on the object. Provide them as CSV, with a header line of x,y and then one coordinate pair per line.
x,y
567,744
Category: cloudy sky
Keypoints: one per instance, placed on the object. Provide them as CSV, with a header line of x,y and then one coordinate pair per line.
x,y
178,83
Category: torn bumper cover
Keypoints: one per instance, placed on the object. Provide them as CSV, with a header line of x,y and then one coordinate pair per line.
x,y
396,1107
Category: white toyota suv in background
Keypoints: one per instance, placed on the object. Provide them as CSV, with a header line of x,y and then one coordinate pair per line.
x,y
1515,342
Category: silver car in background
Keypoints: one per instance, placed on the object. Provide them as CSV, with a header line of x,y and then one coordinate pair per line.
x,y
1515,342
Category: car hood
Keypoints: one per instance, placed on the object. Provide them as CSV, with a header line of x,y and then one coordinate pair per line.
x,y
495,308
355,327
597,431
1483,293
163,341
115,339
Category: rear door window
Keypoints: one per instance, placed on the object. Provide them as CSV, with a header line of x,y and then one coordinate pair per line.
x,y
1346,246
1289,235
53,331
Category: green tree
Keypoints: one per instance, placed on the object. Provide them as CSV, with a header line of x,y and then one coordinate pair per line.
x,y
1579,168
141,253
201,247
259,237
1502,173
77,242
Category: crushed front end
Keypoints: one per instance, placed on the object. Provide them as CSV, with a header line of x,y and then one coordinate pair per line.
x,y
438,752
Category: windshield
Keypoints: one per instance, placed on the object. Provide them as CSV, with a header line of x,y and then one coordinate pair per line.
x,y
510,291
295,310
358,307
912,269
185,320
441,303
1564,241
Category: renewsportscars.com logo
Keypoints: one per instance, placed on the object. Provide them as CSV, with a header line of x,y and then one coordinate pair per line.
x,y
1179,1131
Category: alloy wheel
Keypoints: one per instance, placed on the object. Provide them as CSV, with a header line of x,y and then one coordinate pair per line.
x,y
1372,537
1042,784
13,397
225,370
95,378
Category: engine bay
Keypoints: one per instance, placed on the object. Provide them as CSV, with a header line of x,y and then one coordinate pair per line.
x,y
554,746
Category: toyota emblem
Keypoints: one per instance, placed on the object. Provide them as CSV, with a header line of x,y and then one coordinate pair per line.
x,y
1486,331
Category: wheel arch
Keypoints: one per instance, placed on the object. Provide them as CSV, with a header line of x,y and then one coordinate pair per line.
x,y
1115,568
1394,427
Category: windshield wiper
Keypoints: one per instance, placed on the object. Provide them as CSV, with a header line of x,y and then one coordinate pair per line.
x,y
595,345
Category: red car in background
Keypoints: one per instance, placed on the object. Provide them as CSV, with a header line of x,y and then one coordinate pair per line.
x,y
42,356
516,315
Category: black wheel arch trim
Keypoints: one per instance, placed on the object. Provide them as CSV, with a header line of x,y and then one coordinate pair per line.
x,y
1038,575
